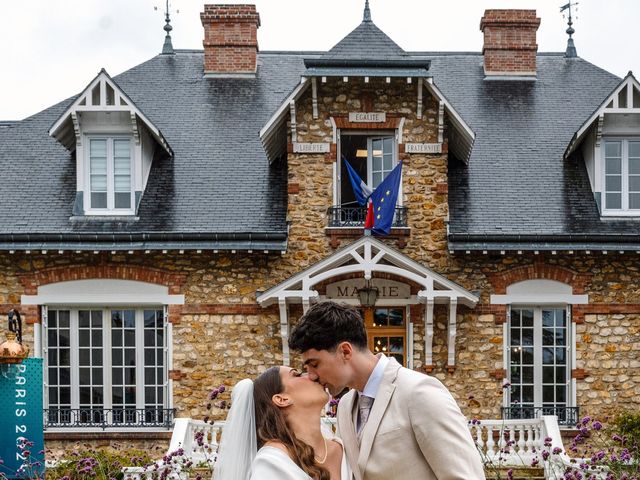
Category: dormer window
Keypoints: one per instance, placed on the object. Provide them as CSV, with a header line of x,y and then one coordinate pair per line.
x,y
115,145
622,176
110,170
609,143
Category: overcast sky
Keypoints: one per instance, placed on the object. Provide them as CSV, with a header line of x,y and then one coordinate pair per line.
x,y
51,49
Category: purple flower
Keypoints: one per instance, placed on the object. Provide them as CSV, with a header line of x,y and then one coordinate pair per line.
x,y
557,451
586,420
221,389
597,425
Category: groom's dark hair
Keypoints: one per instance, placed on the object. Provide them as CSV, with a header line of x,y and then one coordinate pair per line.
x,y
327,324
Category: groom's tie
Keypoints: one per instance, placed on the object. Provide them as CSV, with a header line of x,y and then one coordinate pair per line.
x,y
364,408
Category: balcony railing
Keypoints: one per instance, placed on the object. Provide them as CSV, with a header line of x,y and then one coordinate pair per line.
x,y
108,417
567,416
354,217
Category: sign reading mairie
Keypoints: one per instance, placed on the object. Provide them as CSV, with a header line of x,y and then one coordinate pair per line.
x,y
387,289
368,117
311,147
423,148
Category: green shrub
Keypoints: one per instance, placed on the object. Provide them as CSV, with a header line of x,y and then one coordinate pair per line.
x,y
96,464
628,425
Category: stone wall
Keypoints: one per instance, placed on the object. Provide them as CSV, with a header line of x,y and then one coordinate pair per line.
x,y
609,350
221,335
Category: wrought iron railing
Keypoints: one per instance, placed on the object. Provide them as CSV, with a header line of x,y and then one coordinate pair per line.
x,y
108,417
567,416
354,217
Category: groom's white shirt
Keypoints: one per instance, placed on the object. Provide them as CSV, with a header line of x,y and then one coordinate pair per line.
x,y
373,383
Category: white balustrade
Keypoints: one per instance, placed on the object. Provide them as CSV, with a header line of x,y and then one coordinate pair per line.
x,y
508,442
502,443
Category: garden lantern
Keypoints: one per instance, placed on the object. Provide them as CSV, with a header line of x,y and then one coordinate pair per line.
x,y
12,352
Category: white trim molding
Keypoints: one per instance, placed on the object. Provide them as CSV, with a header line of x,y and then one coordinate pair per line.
x,y
102,292
68,126
367,256
539,291
464,138
611,105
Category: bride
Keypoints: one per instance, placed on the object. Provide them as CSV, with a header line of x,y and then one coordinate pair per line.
x,y
279,413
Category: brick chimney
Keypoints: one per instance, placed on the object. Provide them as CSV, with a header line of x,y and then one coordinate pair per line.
x,y
230,40
509,42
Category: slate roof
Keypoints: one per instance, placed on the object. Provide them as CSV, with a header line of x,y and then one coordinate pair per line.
x,y
517,191
220,191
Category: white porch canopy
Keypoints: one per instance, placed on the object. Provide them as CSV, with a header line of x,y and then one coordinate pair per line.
x,y
368,256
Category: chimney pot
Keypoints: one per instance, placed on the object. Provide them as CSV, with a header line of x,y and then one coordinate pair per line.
x,y
509,43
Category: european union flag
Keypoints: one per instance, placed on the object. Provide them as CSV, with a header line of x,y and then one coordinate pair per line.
x,y
383,201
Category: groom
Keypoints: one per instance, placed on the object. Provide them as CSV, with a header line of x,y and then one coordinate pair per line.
x,y
394,423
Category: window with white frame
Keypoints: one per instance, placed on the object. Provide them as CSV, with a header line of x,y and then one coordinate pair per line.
x,y
371,156
621,176
106,366
539,362
110,175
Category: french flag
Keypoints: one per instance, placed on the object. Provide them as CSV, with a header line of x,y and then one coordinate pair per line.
x,y
361,190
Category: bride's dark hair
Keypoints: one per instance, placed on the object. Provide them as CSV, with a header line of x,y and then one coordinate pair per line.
x,y
271,425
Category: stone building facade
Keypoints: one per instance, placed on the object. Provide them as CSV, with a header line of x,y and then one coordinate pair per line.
x,y
481,281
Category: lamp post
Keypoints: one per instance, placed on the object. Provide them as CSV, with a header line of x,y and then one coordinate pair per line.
x,y
12,352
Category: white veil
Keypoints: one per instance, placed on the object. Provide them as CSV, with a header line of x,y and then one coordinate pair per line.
x,y
238,445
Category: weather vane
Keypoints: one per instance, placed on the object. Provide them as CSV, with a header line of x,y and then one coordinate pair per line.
x,y
571,48
167,48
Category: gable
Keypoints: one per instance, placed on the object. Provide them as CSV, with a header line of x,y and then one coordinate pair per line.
x,y
367,256
103,102
624,101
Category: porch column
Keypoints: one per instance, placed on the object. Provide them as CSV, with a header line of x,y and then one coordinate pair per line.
x,y
284,331
428,334
305,304
453,306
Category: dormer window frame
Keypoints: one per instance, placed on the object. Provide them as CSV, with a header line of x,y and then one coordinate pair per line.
x,y
110,209
624,174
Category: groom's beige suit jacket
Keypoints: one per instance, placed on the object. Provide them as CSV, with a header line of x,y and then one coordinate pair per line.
x,y
415,431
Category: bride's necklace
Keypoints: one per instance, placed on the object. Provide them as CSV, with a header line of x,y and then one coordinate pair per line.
x,y
326,452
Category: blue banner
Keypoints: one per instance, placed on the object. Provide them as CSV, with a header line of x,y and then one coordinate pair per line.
x,y
21,420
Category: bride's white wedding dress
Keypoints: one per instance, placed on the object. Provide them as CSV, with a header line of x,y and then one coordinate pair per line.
x,y
272,463
239,457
